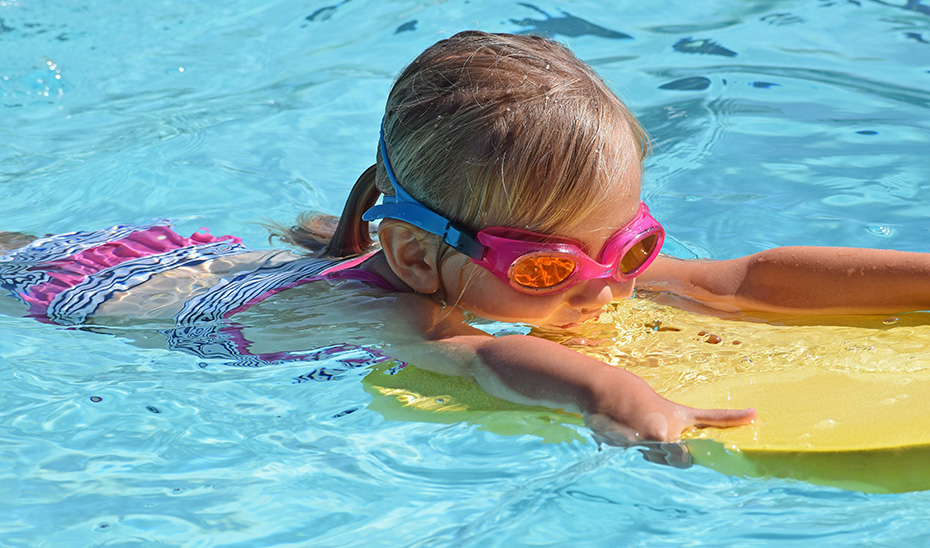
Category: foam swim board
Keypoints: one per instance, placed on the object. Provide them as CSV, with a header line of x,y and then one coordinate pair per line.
x,y
866,432
418,395
845,402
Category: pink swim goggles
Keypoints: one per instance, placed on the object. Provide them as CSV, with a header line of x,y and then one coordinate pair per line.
x,y
531,263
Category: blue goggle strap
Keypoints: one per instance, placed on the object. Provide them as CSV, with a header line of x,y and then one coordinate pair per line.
x,y
404,207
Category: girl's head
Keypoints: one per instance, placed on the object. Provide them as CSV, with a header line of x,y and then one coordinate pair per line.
x,y
509,130
501,130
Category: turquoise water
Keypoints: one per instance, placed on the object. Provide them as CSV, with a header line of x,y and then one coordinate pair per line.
x,y
775,123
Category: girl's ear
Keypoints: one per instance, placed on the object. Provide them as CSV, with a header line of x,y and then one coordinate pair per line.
x,y
411,254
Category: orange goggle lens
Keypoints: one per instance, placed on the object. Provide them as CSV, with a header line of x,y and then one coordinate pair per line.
x,y
542,271
638,254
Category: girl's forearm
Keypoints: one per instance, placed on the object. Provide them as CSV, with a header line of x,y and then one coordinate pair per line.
x,y
799,279
531,370
839,279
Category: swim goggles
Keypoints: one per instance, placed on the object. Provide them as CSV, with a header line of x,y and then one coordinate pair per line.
x,y
531,263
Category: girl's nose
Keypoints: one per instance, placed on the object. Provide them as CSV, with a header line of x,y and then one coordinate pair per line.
x,y
599,293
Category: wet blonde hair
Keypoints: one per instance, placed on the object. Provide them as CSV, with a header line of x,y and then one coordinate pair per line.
x,y
494,129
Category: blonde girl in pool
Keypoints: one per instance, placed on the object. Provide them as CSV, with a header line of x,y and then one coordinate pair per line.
x,y
511,182
511,177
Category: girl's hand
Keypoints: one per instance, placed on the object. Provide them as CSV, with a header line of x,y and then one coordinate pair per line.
x,y
639,414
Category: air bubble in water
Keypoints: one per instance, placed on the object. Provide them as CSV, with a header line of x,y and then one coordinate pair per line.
x,y
881,230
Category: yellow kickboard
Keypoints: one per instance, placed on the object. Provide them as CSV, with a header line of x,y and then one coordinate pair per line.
x,y
819,411
844,403
841,401
861,431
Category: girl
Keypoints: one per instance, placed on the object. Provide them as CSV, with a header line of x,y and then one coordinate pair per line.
x,y
511,182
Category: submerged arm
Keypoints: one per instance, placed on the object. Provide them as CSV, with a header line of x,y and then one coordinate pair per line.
x,y
800,279
615,402
527,369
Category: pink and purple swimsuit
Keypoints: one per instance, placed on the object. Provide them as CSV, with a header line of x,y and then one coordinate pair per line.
x,y
65,278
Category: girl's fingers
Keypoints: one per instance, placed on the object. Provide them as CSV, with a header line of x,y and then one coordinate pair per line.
x,y
722,418
665,427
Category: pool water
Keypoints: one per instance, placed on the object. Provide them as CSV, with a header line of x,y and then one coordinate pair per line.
x,y
774,123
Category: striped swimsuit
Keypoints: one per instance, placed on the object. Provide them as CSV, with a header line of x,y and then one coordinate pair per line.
x,y
65,278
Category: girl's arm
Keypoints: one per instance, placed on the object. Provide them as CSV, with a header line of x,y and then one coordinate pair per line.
x,y
615,403
527,369
800,279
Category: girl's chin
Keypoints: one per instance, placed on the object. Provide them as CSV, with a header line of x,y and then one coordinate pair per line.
x,y
569,319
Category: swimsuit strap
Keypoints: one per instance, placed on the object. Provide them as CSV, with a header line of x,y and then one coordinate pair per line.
x,y
202,327
347,271
236,294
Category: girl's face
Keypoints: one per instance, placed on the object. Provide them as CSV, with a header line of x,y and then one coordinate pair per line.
x,y
487,296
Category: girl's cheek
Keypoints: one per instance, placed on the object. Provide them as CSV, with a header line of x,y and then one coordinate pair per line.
x,y
622,290
475,289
